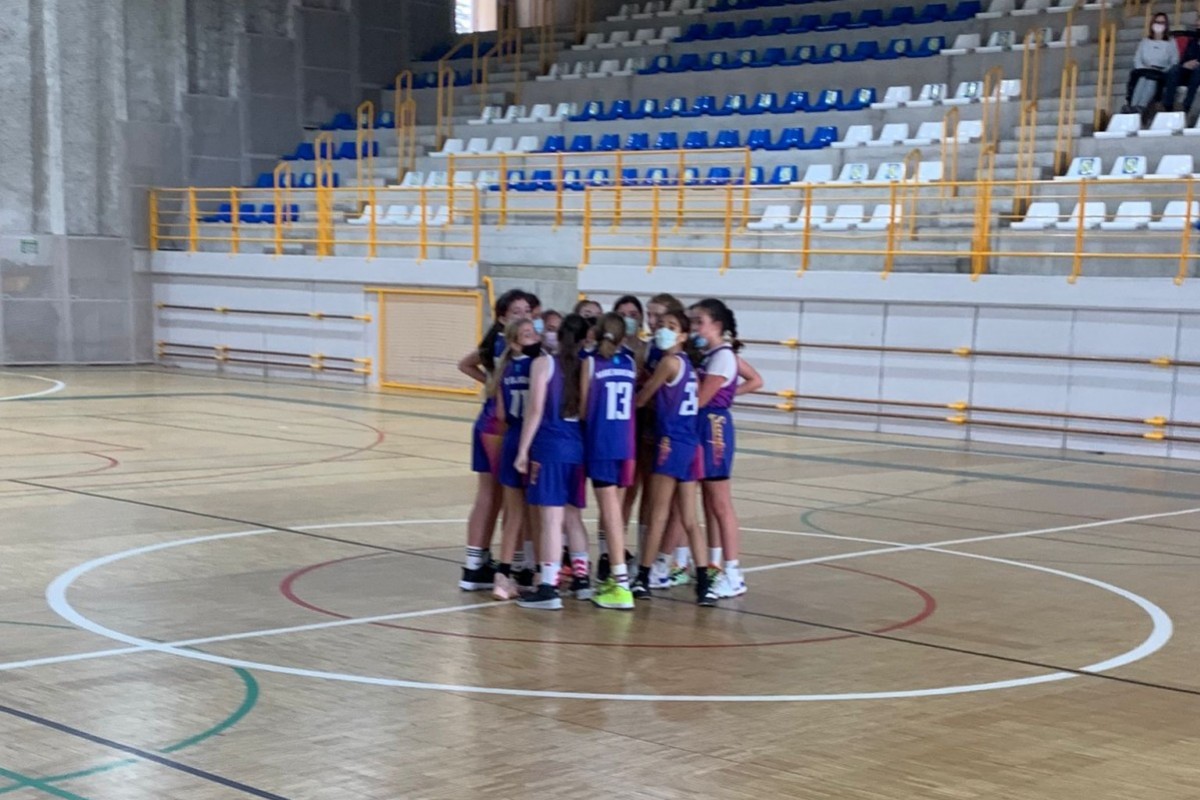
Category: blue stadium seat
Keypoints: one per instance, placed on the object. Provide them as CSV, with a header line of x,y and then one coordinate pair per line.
x,y
572,180
266,180
777,26
385,119
806,24
751,27
828,100
734,104
331,180
863,51
540,179
701,106
789,138
688,62
715,60
426,80
930,46
629,177
869,18
609,142
784,174
934,12
719,176
728,139
657,65
836,21
797,100
327,150
764,103
346,151
591,109
464,78
900,15
858,100
770,58
658,176
646,108
305,152
694,33
342,121
743,58
224,214
247,213
305,180
637,141
965,10
514,180
722,30
755,178
822,137
803,54
617,110
696,140
834,52
266,214
667,140
897,48
554,144
582,144
759,139
690,177
599,177
671,108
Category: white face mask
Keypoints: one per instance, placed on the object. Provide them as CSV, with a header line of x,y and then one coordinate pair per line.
x,y
1158,27
665,338
550,340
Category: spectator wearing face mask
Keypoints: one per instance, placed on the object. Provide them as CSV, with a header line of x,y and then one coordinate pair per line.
x,y
1155,56
1185,73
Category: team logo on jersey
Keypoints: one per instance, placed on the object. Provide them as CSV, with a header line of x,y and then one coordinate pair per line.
x,y
716,423
664,450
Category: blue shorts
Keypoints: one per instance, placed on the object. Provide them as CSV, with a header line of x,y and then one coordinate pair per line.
x,y
612,473
681,461
718,443
485,442
508,455
554,483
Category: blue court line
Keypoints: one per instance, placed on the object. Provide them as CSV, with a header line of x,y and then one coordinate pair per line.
x,y
138,752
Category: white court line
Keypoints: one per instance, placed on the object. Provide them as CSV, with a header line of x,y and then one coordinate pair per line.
x,y
56,591
56,386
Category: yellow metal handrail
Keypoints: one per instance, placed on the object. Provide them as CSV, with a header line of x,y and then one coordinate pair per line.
x,y
445,106
546,35
1106,63
912,192
1026,154
1064,137
509,44
950,152
364,146
990,110
324,193
405,113
583,17
282,183
1031,66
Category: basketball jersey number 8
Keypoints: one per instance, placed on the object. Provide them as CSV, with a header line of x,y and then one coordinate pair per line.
x,y
691,403
619,401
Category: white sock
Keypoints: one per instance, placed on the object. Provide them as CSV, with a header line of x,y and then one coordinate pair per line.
x,y
550,571
476,557
715,556
682,556
732,566
662,561
620,574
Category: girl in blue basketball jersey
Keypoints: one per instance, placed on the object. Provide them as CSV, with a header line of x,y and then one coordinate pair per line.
x,y
610,445
510,382
675,391
550,453
714,331
479,364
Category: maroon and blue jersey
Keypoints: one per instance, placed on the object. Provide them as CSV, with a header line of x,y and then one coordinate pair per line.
x,y
609,428
558,439
718,438
725,355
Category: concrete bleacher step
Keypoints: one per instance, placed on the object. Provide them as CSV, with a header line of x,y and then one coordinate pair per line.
x,y
1049,131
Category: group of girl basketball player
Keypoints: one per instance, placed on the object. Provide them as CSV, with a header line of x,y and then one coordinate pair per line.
x,y
634,401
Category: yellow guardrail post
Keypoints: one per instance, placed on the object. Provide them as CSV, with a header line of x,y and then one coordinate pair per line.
x,y
503,190
1077,254
445,106
193,221
1031,65
654,226
806,240
153,220
1186,238
1104,75
950,153
235,220
889,257
558,191
372,226
619,186
1064,139
747,165
364,166
475,225
681,190
587,226
728,246
450,172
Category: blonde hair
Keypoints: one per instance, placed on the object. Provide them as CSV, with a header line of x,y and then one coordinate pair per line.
x,y
512,332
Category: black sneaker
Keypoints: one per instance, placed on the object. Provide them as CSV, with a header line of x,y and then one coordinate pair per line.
x,y
525,579
706,594
581,587
603,568
478,580
641,591
545,598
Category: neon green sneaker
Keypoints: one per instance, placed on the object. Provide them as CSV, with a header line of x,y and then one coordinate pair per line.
x,y
679,577
613,595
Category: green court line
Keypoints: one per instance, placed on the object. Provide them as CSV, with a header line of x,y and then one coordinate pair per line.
x,y
249,700
25,782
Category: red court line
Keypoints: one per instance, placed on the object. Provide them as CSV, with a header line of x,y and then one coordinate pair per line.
x,y
929,606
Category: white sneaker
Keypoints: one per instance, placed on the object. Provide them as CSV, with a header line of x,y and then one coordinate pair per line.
x,y
730,585
660,575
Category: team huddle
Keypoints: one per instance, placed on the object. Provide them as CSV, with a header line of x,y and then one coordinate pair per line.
x,y
633,400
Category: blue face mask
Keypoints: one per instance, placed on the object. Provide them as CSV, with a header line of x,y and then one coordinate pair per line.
x,y
539,326
665,338
699,341
631,326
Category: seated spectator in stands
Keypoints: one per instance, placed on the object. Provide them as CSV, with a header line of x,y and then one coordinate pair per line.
x,y
1185,73
1155,56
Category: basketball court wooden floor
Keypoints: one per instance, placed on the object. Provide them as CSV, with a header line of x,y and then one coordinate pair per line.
x,y
223,588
